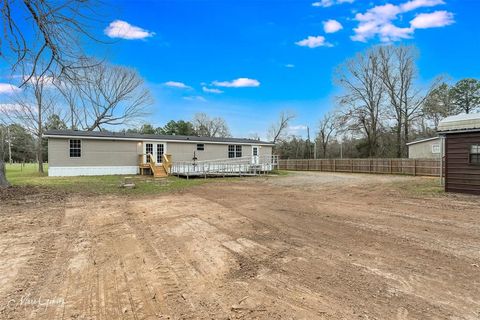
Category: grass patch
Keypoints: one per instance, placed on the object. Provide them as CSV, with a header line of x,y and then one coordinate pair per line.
x,y
28,175
421,186
280,172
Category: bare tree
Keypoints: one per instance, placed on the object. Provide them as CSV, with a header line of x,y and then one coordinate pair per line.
x,y
55,27
30,108
254,136
326,129
361,79
397,73
210,127
100,95
52,27
277,131
71,95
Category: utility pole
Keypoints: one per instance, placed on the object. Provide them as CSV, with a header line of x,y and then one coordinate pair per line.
x,y
308,143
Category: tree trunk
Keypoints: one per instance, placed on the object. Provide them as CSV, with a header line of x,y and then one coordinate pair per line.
x,y
406,137
40,155
399,140
3,178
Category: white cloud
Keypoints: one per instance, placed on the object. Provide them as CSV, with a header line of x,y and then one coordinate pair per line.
x,y
10,108
329,3
195,98
237,83
313,42
332,26
415,4
124,30
211,90
289,65
432,20
378,21
7,88
175,84
297,130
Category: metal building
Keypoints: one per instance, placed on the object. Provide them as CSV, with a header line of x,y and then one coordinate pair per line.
x,y
462,152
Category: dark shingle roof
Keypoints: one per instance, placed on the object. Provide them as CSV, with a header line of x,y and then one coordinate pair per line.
x,y
139,136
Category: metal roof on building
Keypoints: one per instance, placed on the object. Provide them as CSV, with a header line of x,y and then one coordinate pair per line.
x,y
141,137
460,123
422,140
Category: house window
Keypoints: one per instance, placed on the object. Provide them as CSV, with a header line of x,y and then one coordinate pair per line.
x,y
238,153
231,151
75,148
200,147
234,151
475,154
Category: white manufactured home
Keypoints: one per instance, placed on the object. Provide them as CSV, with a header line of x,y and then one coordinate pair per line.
x,y
81,153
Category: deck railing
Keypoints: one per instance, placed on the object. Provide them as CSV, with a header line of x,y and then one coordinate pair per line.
x,y
229,166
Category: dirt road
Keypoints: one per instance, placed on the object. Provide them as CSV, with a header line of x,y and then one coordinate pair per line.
x,y
303,246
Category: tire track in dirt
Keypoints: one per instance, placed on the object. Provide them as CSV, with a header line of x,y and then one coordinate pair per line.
x,y
38,241
177,273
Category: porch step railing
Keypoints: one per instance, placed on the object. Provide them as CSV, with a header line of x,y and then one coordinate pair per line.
x,y
147,161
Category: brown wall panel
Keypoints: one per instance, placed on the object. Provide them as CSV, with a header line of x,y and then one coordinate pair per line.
x,y
461,176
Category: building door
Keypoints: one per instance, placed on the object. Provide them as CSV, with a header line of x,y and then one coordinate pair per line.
x,y
255,154
148,150
160,151
156,150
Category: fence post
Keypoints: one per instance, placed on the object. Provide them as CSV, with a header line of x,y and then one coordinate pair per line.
x,y
370,165
351,165
414,167
334,165
390,164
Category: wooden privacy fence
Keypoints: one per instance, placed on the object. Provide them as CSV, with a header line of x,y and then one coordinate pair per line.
x,y
416,167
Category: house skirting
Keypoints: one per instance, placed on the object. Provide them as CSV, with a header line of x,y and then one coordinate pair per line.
x,y
91,171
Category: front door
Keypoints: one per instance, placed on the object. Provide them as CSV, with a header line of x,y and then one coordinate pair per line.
x,y
156,150
160,152
255,154
148,150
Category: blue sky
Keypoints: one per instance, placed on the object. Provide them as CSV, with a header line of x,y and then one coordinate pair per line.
x,y
248,60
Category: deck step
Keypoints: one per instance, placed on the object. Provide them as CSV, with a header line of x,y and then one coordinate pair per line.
x,y
159,171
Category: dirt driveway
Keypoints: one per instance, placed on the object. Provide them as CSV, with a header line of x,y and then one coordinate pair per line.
x,y
303,246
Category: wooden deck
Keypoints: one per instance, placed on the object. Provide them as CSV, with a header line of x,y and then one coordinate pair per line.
x,y
236,167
